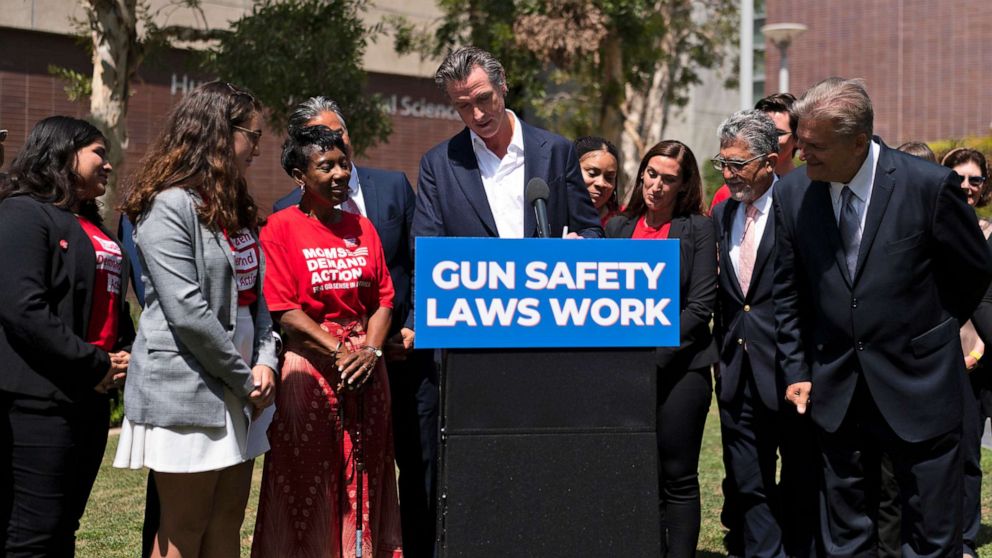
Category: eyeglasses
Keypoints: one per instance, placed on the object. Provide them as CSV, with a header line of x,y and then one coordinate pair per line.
x,y
975,181
234,89
782,133
735,167
254,135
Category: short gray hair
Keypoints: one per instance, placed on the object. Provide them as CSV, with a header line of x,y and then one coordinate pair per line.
x,y
312,108
754,127
844,102
458,64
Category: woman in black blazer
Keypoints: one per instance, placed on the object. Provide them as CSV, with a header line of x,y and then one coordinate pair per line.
x,y
667,203
65,334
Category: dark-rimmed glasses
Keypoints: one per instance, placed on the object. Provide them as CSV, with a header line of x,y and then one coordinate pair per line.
x,y
735,167
254,135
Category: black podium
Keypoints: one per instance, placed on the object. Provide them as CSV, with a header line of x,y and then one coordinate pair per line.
x,y
548,453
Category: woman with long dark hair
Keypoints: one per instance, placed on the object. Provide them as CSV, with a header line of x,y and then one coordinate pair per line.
x,y
667,202
65,333
204,359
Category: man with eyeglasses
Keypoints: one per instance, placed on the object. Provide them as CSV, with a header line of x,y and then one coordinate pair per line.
x,y
766,519
879,259
776,106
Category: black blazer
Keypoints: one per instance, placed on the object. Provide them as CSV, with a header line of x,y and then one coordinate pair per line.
x,y
746,321
45,303
923,266
389,204
697,289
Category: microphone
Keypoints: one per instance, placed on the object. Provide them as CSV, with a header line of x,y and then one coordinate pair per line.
x,y
537,193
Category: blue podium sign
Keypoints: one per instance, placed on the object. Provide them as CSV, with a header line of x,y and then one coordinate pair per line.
x,y
512,293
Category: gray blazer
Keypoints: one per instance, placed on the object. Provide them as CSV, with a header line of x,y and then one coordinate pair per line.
x,y
184,353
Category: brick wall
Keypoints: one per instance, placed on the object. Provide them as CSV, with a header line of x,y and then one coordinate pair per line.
x,y
926,63
28,93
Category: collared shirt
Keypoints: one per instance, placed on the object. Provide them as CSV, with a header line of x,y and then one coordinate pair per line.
x,y
764,205
356,201
861,185
503,180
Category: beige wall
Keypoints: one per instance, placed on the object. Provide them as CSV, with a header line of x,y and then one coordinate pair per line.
x,y
55,16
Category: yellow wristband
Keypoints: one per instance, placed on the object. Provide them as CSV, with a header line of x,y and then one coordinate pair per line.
x,y
975,355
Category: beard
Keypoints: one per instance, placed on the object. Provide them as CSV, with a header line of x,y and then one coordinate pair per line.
x,y
742,193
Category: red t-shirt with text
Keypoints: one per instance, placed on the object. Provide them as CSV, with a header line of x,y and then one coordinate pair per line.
x,y
102,330
642,230
329,272
245,251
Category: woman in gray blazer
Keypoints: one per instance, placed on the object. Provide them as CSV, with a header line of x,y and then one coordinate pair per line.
x,y
204,360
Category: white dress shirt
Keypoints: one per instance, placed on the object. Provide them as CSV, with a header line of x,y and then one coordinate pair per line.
x,y
356,201
503,180
861,186
763,204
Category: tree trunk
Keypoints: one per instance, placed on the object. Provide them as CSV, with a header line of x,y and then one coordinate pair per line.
x,y
116,53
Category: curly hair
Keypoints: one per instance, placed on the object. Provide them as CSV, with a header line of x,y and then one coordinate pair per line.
x,y
689,199
302,142
196,151
44,167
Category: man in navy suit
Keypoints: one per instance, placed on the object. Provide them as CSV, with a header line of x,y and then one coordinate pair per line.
x,y
879,259
387,199
473,184
776,520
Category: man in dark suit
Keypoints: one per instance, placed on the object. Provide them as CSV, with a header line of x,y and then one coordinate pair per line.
x,y
387,199
473,184
775,520
879,258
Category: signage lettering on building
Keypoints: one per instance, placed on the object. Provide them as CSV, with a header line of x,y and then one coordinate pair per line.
x,y
405,105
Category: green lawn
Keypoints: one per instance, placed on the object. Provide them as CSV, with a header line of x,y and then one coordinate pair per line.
x,y
112,525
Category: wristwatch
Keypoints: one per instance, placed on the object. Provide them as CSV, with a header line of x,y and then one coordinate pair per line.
x,y
374,350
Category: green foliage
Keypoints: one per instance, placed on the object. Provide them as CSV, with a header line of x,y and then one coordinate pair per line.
x,y
288,50
561,56
77,85
983,144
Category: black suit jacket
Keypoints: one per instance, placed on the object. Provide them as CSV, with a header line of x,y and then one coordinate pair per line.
x,y
451,200
389,204
923,265
746,321
45,303
697,289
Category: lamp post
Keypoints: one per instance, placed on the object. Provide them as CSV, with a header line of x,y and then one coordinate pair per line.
x,y
781,35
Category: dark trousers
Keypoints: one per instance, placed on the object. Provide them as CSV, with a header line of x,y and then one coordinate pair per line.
x,y
50,454
414,390
771,519
929,474
683,401
975,415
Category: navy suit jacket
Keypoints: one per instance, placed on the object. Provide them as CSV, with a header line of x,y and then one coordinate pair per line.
x,y
923,266
750,319
451,200
389,204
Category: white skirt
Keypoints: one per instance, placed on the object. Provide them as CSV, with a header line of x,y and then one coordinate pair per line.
x,y
195,449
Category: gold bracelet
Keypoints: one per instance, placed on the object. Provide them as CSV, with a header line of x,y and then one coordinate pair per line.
x,y
976,355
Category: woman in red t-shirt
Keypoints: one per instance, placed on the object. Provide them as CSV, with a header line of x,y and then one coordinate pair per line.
x,y
667,202
329,288
65,333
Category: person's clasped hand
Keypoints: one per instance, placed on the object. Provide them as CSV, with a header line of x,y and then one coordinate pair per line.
x,y
265,388
356,367
116,374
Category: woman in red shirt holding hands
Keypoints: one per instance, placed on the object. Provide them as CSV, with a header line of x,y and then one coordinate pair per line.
x,y
329,288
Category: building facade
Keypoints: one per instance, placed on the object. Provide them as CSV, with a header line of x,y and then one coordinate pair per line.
x,y
926,64
35,34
